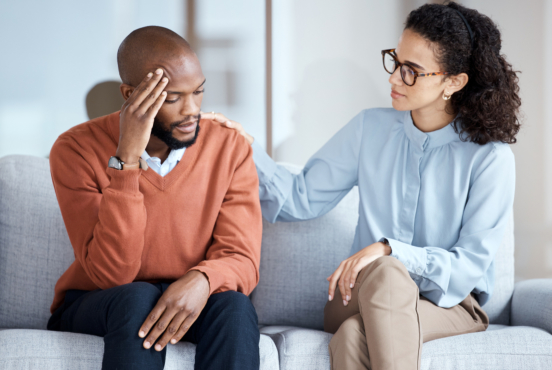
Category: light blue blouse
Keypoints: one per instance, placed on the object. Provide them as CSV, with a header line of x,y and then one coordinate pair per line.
x,y
442,203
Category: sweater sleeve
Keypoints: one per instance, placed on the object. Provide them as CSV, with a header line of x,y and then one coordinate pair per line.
x,y
106,228
232,260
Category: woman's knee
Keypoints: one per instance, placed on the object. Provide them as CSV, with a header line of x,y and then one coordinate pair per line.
x,y
385,267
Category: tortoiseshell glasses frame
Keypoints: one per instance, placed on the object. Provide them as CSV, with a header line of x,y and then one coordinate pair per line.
x,y
408,74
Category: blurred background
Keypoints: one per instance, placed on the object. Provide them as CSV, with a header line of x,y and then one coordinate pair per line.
x,y
293,72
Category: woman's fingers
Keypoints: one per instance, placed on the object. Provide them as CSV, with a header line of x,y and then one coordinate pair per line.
x,y
333,281
342,288
217,117
225,122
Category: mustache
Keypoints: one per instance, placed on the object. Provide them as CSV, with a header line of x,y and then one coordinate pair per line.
x,y
186,120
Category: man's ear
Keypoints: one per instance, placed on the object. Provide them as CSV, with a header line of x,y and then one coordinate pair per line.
x,y
457,83
126,90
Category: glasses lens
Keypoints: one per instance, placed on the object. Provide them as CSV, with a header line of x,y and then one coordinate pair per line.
x,y
389,63
407,75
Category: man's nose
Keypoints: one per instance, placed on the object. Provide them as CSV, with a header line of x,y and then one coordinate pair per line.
x,y
190,107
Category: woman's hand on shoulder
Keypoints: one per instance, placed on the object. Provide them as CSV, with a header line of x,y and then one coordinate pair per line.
x,y
346,274
225,122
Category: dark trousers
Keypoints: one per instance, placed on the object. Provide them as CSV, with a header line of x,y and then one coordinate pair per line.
x,y
226,332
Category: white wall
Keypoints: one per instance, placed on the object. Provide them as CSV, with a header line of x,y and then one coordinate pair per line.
x,y
327,68
53,53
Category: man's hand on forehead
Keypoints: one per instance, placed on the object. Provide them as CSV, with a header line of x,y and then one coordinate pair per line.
x,y
137,115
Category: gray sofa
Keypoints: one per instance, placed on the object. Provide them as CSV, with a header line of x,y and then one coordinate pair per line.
x,y
290,297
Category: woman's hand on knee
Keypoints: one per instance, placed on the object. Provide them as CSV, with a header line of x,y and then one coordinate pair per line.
x,y
346,274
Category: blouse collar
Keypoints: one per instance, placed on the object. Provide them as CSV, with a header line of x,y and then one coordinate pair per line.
x,y
429,140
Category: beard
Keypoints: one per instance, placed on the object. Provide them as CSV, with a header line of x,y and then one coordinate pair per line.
x,y
166,135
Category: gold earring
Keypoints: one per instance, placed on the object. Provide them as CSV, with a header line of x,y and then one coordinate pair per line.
x,y
446,97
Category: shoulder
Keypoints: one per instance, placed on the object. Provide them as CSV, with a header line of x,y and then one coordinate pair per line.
x,y
85,136
494,157
223,141
86,145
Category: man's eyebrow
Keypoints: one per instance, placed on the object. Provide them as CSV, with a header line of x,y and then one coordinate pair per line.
x,y
180,93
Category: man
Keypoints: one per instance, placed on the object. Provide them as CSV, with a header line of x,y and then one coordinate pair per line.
x,y
167,253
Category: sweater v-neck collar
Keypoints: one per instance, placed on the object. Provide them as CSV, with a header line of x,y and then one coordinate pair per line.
x,y
181,169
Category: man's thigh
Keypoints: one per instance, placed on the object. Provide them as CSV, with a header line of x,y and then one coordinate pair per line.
x,y
123,307
438,322
228,310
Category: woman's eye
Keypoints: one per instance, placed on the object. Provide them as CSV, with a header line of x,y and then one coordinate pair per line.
x,y
171,101
199,92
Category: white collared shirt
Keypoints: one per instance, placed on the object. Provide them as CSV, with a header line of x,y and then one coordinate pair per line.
x,y
164,168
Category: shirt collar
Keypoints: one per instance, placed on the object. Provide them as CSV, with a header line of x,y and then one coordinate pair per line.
x,y
429,140
174,156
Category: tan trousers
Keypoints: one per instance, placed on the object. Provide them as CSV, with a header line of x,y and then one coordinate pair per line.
x,y
386,321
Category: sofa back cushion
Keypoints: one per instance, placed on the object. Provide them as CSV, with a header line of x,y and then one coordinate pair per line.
x,y
297,257
295,260
34,246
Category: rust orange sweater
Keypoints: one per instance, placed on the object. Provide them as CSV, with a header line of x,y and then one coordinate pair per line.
x,y
135,225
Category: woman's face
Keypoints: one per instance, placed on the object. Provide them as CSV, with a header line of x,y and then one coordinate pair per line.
x,y
427,92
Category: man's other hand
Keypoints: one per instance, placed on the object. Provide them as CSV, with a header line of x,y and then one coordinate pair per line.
x,y
177,309
137,114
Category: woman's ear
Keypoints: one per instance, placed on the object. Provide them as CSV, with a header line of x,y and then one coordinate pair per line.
x,y
457,82
126,90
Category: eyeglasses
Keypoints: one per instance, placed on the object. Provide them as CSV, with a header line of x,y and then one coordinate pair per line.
x,y
408,75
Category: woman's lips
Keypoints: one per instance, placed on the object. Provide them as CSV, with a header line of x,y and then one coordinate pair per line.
x,y
396,95
187,127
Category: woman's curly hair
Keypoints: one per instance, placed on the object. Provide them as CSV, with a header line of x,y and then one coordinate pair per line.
x,y
488,106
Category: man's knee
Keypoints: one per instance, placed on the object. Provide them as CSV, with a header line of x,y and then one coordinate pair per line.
x,y
132,303
236,309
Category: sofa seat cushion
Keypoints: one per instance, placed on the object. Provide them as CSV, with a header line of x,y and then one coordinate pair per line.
x,y
41,349
500,347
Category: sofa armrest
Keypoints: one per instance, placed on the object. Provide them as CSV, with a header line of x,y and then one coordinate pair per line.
x,y
532,304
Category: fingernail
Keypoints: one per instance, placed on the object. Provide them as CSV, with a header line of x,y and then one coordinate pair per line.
x,y
150,74
141,334
147,345
347,298
329,298
173,341
345,303
229,124
352,285
158,71
164,79
158,347
164,93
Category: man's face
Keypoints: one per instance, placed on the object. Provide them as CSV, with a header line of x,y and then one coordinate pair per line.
x,y
177,122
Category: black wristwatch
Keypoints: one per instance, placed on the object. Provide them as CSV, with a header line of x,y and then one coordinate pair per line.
x,y
116,163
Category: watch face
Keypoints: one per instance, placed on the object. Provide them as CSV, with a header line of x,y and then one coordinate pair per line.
x,y
115,162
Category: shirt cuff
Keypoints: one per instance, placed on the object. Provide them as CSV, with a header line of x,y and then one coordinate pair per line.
x,y
266,167
413,258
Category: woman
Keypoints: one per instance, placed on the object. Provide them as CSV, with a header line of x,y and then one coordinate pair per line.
x,y
436,182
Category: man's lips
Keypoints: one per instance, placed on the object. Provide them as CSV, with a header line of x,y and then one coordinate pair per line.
x,y
187,127
396,95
